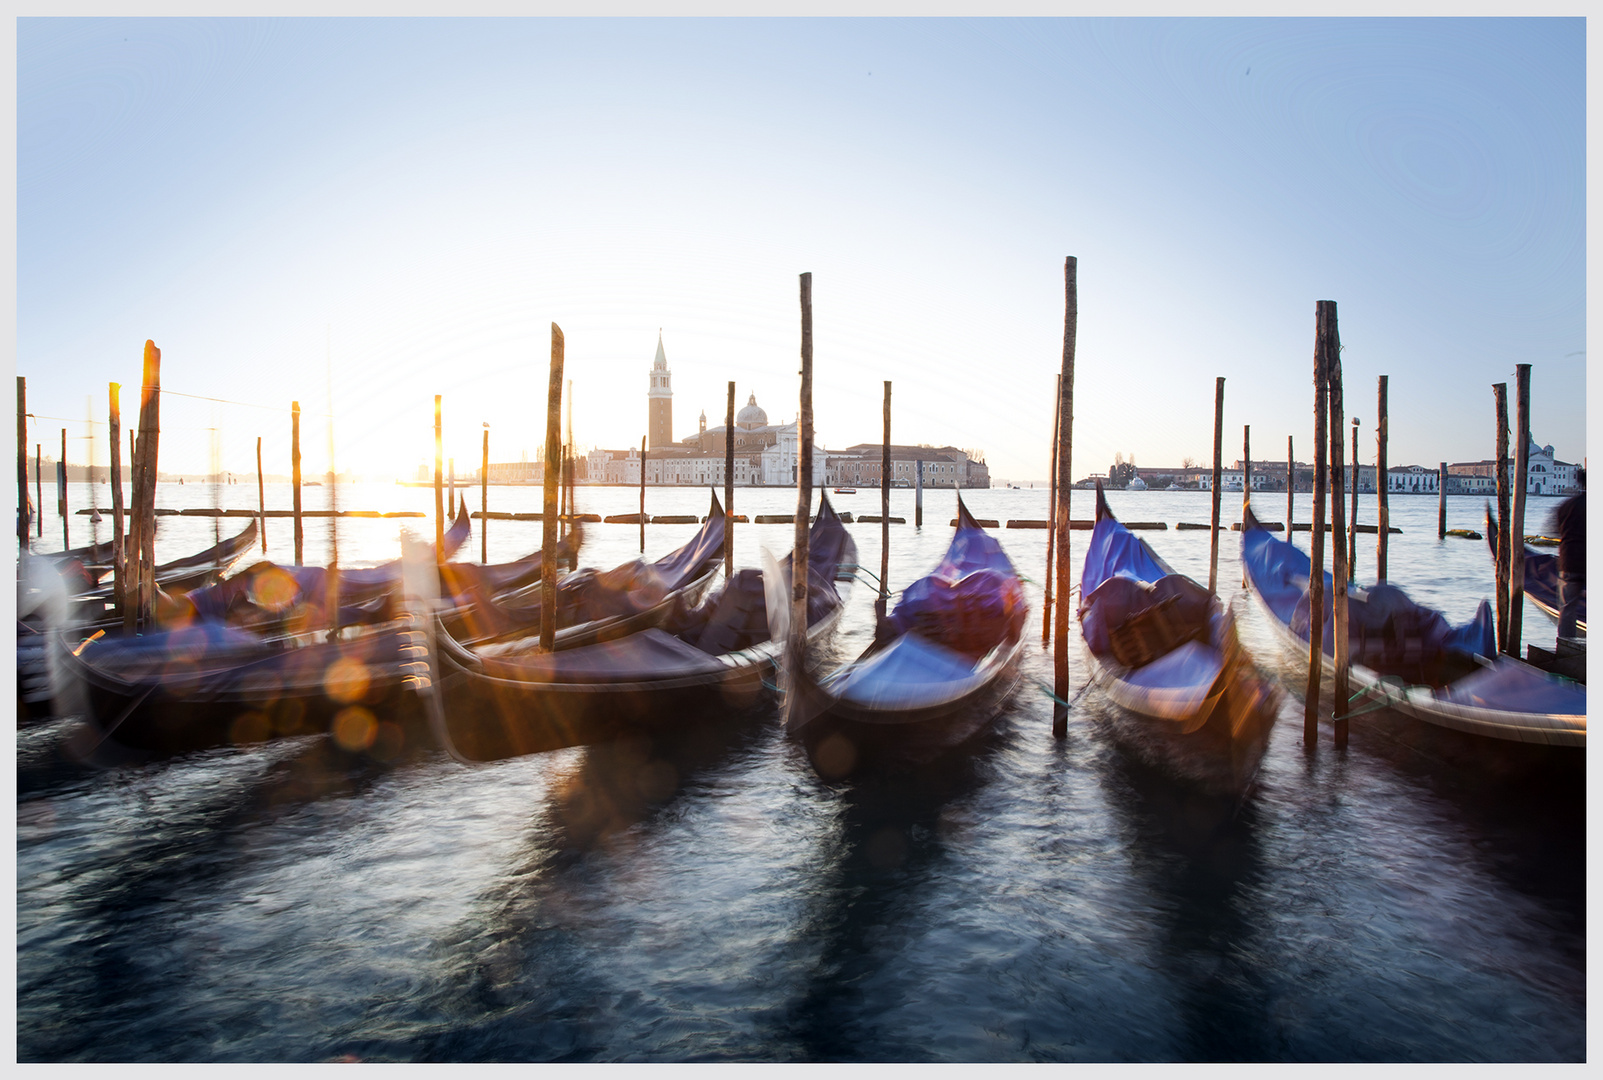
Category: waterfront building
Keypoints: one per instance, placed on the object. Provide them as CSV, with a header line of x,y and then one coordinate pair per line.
x,y
1546,475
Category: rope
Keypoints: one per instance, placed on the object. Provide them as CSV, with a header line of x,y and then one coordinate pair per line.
x,y
1049,692
1395,693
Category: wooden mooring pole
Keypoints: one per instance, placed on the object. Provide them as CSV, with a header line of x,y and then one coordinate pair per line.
x,y
1065,448
1352,523
261,497
1338,553
918,493
1051,516
1218,481
1246,486
885,509
114,421
1382,482
295,479
1441,501
1504,530
484,498
439,483
61,487
1291,484
23,516
548,519
1521,482
729,484
145,508
642,494
39,490
796,642
1316,536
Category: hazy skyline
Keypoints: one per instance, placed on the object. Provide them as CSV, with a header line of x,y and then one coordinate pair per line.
x,y
415,201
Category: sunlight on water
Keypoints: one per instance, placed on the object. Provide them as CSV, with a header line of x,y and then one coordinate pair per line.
x,y
703,895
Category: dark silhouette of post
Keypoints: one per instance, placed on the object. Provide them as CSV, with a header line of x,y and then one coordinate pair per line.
x,y
23,516
1504,524
38,485
61,471
548,517
115,423
1516,537
1382,482
1338,554
642,494
439,483
484,498
729,484
1441,501
295,476
1051,518
1218,480
796,642
1246,486
1316,537
261,497
332,591
1352,524
885,510
1291,484
1065,447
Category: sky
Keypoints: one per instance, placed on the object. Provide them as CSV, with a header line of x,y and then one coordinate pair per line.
x,y
360,214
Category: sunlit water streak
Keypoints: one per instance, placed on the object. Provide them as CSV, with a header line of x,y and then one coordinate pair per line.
x,y
708,897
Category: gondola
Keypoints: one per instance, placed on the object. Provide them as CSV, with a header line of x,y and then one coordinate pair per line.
x,y
1165,651
204,682
510,699
941,666
1541,575
1406,656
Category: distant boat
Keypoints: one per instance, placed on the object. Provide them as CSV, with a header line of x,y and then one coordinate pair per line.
x,y
846,491
1136,484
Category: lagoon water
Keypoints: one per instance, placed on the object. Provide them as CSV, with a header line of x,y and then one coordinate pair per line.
x,y
708,897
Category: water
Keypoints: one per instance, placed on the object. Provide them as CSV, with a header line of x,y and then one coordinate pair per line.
x,y
708,897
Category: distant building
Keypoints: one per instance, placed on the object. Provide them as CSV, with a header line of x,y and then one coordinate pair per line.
x,y
659,429
1545,475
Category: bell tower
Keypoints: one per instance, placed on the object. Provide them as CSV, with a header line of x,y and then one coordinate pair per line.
x,y
659,401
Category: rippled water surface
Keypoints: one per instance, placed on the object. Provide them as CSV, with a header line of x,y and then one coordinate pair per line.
x,y
707,896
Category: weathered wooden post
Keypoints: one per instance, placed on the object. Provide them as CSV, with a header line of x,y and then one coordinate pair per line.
x,y
38,487
1316,537
1291,484
1352,524
729,484
114,420
1218,481
568,464
1504,524
642,494
332,589
1065,448
61,486
1246,486
1338,554
23,516
796,642
885,509
548,517
1441,501
1520,485
261,497
484,499
1382,482
295,477
918,493
149,438
1051,519
439,483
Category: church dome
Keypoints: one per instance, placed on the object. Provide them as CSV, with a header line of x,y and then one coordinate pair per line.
x,y
752,416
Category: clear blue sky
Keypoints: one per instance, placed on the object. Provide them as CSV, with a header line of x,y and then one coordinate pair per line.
x,y
417,200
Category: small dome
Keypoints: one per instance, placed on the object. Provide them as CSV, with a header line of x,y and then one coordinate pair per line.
x,y
752,416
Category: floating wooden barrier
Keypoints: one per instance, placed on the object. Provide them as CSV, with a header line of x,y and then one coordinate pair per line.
x,y
1266,526
673,519
1195,525
738,518
1302,526
1078,524
1540,541
1145,524
984,523
879,519
1467,534
776,519
623,519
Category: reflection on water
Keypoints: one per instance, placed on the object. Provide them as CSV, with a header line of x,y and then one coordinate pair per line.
x,y
706,896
